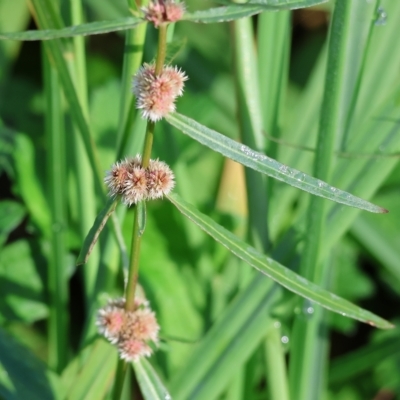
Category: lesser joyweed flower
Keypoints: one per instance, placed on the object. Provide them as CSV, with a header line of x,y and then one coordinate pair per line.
x,y
134,183
156,94
130,331
163,11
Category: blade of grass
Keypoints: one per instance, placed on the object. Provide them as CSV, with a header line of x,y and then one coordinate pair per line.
x,y
229,342
261,163
91,28
277,4
149,382
307,365
222,14
276,271
57,284
250,124
277,381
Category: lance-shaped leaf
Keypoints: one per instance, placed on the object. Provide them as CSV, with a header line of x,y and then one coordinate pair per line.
x,y
266,165
223,14
284,276
150,384
95,230
277,4
91,28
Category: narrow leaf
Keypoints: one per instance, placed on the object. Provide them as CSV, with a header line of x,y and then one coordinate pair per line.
x,y
266,165
278,4
141,210
91,28
222,14
284,276
150,384
95,231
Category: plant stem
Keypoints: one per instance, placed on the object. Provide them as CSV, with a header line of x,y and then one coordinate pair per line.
x,y
307,362
119,379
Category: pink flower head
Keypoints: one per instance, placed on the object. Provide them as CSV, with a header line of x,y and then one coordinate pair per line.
x,y
156,94
116,177
163,11
160,179
130,331
135,188
111,319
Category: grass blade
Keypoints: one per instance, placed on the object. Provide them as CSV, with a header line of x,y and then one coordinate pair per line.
x,y
150,384
222,14
284,276
279,4
261,163
91,28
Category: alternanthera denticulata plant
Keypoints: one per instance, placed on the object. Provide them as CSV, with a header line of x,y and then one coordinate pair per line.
x,y
202,324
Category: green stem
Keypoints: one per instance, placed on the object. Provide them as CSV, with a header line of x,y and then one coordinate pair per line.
x,y
133,265
162,48
119,379
307,361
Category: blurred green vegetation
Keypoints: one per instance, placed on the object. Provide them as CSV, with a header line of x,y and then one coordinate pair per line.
x,y
204,298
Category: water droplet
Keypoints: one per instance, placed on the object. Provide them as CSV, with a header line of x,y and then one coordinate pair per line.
x,y
285,339
333,189
381,16
284,169
321,184
300,177
277,324
167,397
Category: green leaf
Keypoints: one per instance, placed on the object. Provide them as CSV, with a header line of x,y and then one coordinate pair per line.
x,y
261,163
284,276
11,215
141,210
91,28
91,379
93,235
278,4
150,384
22,375
222,14
20,284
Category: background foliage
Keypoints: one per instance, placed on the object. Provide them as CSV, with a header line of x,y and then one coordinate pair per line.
x,y
227,331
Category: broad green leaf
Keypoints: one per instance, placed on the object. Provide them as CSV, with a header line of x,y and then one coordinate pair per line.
x,y
24,376
11,214
93,235
222,14
91,28
284,276
22,292
150,383
261,163
277,4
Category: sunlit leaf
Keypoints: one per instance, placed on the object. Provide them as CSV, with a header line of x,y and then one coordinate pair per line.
x,y
266,165
150,384
284,276
91,28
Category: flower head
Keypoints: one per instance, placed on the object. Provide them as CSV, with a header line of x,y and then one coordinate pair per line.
x,y
163,11
160,179
135,186
130,331
156,94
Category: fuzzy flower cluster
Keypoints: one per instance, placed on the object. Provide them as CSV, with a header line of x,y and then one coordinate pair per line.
x,y
163,11
134,183
156,94
130,331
